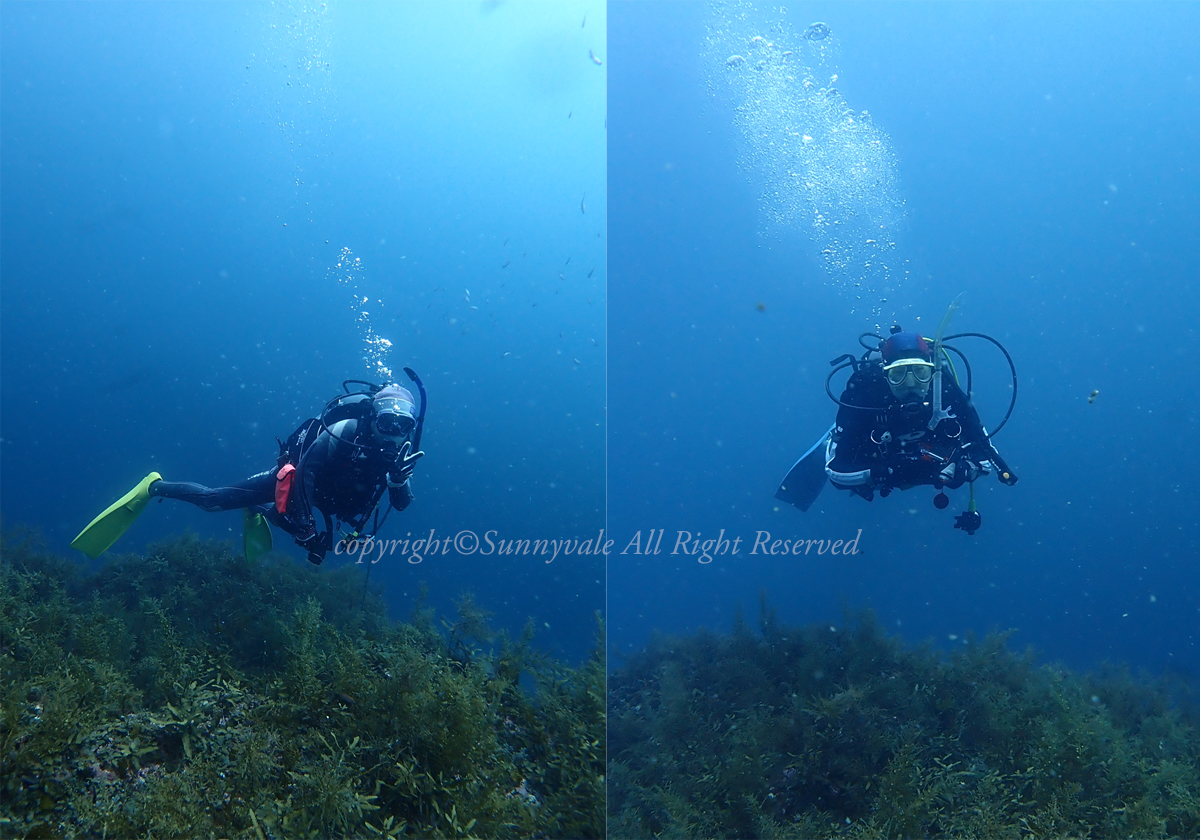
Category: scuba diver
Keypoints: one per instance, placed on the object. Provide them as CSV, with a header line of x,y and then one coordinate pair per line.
x,y
365,443
903,421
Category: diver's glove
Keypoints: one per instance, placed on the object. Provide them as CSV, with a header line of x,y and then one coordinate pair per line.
x,y
404,465
963,471
881,476
317,545
957,473
946,476
1006,475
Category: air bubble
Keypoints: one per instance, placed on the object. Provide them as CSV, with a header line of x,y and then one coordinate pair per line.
x,y
348,271
825,172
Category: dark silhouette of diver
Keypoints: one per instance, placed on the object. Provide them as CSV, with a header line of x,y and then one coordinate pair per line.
x,y
365,443
903,421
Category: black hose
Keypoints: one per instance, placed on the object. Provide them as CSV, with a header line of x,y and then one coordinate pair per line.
x,y
829,390
372,388
1011,366
970,376
878,340
966,364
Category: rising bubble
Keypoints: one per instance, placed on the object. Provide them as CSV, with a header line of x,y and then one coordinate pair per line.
x,y
348,272
824,171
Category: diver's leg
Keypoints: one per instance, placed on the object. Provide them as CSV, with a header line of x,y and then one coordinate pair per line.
x,y
255,490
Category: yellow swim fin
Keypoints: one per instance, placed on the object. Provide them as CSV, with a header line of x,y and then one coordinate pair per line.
x,y
256,535
108,527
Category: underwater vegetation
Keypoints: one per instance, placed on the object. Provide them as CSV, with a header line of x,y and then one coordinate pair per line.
x,y
808,732
187,693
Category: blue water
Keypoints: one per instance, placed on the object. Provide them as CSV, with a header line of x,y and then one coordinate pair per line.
x,y
179,181
1045,161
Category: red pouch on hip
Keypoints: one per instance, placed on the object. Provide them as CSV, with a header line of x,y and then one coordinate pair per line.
x,y
283,487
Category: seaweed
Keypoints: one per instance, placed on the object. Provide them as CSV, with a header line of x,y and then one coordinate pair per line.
x,y
185,693
843,731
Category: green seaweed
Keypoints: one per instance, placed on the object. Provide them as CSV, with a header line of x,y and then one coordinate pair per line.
x,y
186,693
842,731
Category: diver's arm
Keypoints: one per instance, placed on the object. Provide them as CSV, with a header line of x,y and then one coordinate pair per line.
x,y
973,438
400,495
842,470
311,463
847,456
977,446
300,504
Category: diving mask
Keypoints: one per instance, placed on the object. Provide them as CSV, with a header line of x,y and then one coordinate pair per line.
x,y
393,417
899,371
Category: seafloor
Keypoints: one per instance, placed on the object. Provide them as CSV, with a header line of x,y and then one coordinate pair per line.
x,y
188,693
841,731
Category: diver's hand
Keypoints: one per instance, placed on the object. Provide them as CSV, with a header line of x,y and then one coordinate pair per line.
x,y
406,462
957,473
318,546
881,476
946,476
1006,475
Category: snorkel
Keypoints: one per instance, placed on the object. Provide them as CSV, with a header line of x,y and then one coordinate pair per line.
x,y
416,437
938,414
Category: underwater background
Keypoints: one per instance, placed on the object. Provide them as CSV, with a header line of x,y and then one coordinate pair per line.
x,y
213,212
783,179
1038,158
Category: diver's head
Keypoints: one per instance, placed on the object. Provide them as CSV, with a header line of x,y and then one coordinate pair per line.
x,y
394,419
907,365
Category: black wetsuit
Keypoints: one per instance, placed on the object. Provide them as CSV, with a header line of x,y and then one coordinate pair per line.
x,y
339,479
887,445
